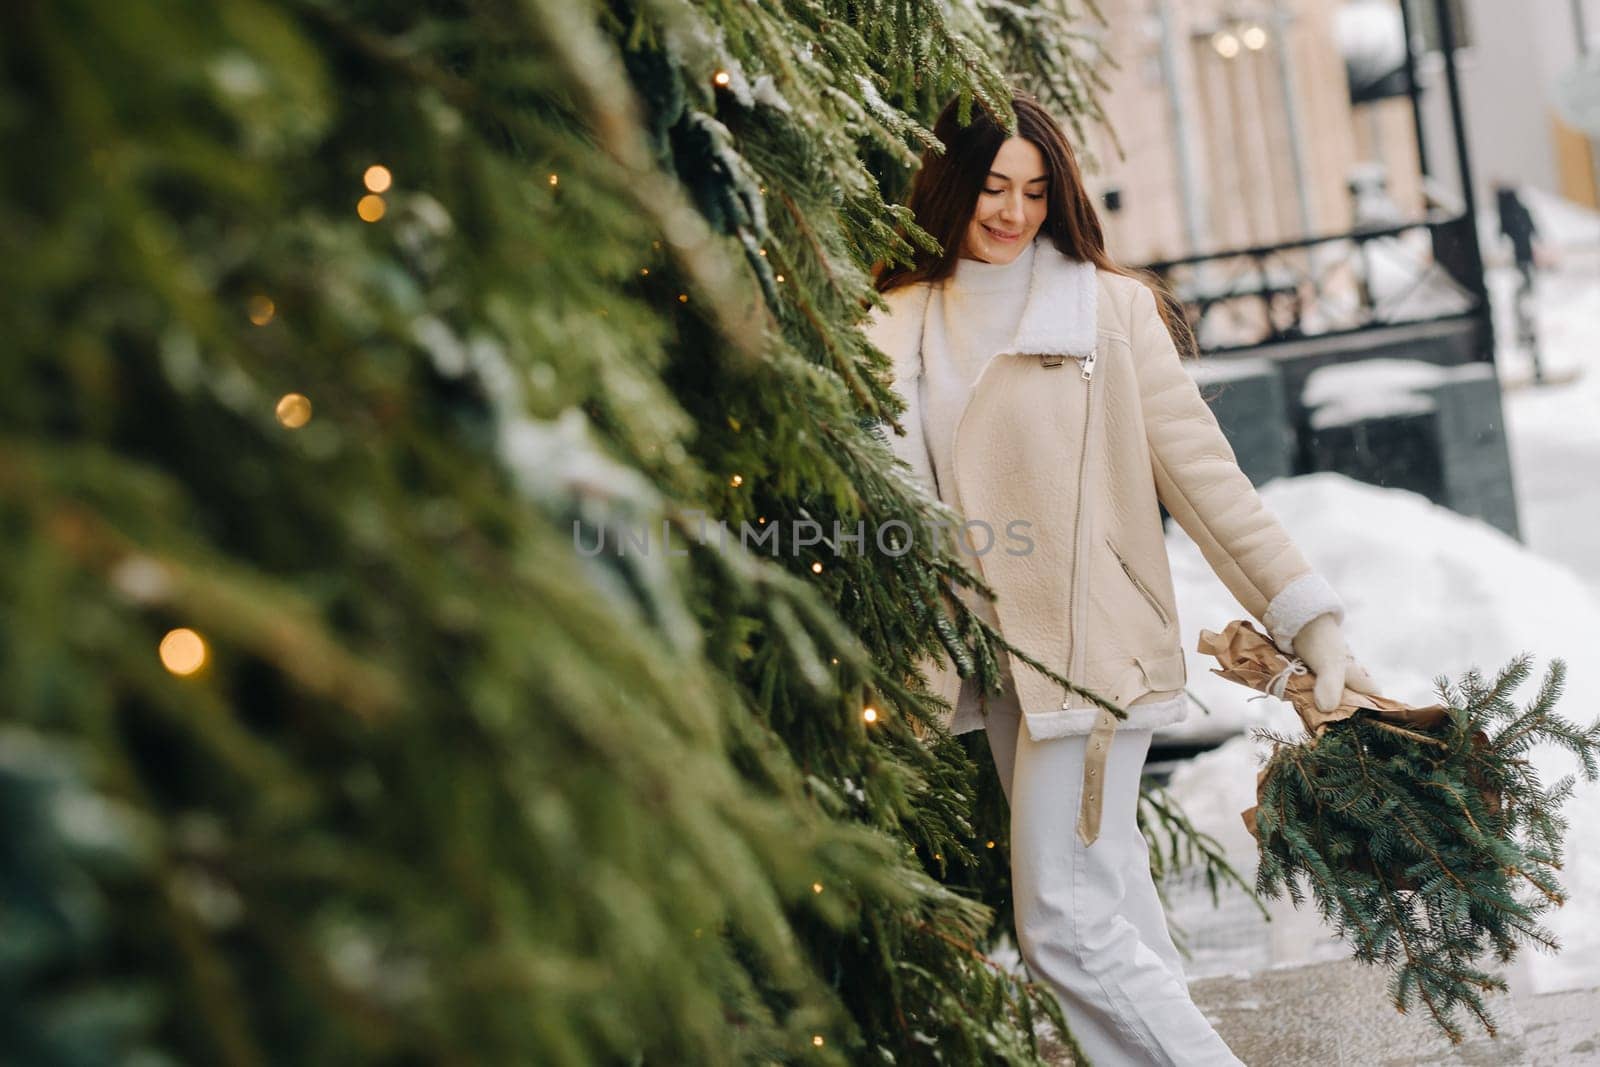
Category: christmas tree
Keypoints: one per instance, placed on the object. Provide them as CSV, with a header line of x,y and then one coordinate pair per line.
x,y
374,693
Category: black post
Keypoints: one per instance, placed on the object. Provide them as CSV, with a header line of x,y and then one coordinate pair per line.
x,y
1473,252
1411,87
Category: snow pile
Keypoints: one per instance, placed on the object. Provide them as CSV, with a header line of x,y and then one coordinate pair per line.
x,y
1427,592
1341,394
1208,372
1345,381
1371,407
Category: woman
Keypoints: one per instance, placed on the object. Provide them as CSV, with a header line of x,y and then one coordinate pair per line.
x,y
1046,399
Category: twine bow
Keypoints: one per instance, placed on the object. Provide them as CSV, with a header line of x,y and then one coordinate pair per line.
x,y
1278,684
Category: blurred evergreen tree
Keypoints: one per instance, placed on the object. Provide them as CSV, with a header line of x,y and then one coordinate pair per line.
x,y
337,330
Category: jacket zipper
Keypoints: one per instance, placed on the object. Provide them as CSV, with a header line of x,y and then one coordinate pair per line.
x,y
1144,590
1073,628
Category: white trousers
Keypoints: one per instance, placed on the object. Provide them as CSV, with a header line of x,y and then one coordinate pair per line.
x,y
1089,922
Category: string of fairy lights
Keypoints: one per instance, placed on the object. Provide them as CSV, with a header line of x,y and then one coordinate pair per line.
x,y
182,651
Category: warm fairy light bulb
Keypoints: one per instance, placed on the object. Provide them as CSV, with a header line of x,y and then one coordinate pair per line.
x,y
1226,44
989,845
1255,38
816,887
261,309
870,714
371,207
780,277
816,1039
683,298
555,180
721,77
816,568
377,178
736,481
643,271
294,410
182,651
763,251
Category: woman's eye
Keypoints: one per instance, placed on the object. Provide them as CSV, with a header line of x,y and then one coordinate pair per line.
x,y
1035,196
994,192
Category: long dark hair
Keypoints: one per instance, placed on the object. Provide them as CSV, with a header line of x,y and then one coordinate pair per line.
x,y
944,195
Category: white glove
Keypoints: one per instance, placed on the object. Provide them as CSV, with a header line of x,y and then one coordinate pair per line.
x,y
1321,647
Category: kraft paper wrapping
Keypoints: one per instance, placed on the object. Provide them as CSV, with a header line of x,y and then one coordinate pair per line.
x,y
1248,657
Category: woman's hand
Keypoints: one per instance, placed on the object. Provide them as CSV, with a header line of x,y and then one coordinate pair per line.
x,y
1321,647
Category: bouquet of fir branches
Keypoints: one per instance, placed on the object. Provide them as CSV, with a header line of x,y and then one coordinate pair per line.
x,y
1423,833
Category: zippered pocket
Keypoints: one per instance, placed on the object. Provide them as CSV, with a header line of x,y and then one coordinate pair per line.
x,y
1144,590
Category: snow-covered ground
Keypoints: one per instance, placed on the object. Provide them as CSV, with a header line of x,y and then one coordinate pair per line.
x,y
1429,592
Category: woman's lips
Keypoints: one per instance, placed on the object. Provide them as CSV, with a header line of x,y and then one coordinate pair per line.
x,y
998,236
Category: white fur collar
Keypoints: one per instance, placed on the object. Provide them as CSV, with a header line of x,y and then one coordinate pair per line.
x,y
1059,317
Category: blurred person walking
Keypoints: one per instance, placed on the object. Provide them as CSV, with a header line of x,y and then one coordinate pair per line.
x,y
1516,223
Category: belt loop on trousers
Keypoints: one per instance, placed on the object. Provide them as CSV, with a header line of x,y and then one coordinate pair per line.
x,y
1095,753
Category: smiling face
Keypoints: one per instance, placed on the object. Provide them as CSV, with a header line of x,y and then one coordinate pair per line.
x,y
1011,205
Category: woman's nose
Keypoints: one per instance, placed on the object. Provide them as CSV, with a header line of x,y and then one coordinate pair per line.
x,y
1011,209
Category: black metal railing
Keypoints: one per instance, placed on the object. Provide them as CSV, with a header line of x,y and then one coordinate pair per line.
x,y
1412,272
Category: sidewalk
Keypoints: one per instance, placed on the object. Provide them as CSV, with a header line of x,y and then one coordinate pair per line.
x,y
1338,1014
1332,1014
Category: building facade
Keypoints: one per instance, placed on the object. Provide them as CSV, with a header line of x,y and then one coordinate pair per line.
x,y
1233,124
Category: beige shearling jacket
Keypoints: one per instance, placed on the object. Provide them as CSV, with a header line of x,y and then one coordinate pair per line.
x,y
1069,439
